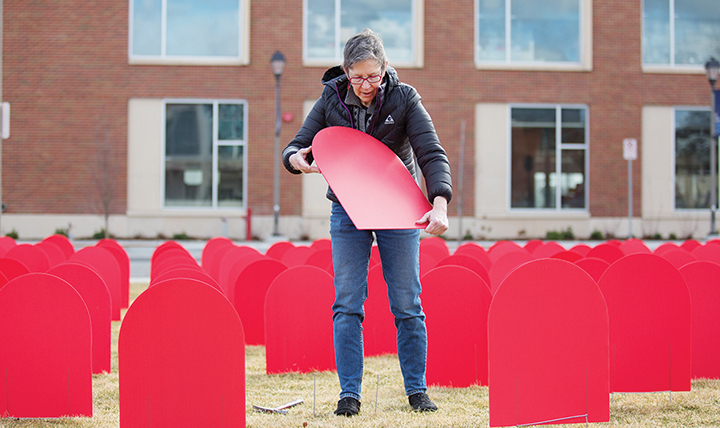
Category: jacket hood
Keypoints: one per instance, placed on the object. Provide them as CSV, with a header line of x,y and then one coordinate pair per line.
x,y
337,74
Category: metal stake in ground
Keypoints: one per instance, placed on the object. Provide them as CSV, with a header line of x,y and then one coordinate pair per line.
x,y
314,391
377,390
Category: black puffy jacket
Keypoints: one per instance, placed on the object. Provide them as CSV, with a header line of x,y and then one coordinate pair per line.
x,y
402,124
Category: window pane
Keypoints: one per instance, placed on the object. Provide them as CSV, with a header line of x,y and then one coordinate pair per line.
x,y
491,30
146,21
572,179
231,122
697,31
573,126
392,19
230,168
188,155
320,33
692,159
656,31
202,27
547,31
533,180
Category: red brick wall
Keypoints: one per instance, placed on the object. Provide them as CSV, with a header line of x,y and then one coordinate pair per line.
x,y
66,74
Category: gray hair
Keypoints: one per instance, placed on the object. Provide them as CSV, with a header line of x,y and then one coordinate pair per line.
x,y
363,46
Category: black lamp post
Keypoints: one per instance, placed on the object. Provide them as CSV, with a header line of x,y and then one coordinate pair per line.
x,y
277,62
712,66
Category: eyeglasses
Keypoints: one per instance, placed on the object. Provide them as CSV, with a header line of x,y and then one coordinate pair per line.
x,y
370,79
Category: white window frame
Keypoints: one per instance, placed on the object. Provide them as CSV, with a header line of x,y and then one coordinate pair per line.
x,y
559,146
163,59
666,68
585,43
216,143
674,159
418,47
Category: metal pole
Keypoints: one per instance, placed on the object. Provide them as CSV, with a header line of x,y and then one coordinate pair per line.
x,y
713,163
461,172
630,199
276,160
1,100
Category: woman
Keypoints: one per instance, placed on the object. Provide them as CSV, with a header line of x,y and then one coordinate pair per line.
x,y
365,94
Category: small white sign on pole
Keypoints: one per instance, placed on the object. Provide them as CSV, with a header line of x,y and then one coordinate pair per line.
x,y
630,149
5,120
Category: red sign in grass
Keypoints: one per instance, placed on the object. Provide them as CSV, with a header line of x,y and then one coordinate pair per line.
x,y
181,357
548,347
703,280
96,296
46,351
650,316
298,321
457,327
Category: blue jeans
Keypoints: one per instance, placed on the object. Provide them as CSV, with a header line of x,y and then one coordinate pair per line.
x,y
399,252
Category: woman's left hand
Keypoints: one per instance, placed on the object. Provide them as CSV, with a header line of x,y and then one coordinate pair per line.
x,y
436,218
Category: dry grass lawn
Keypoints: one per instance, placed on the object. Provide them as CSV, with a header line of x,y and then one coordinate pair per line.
x,y
466,407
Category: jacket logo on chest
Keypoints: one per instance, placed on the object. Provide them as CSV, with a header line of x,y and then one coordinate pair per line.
x,y
389,120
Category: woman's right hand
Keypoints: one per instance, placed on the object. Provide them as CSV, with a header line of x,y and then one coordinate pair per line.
x,y
300,163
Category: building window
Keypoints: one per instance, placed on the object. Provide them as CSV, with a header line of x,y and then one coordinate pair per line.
x,y
205,154
329,23
195,30
682,33
549,157
528,31
692,159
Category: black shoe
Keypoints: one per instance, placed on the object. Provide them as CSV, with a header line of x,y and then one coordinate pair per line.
x,y
348,406
420,402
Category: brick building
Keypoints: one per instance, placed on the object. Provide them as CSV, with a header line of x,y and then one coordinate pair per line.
x,y
162,112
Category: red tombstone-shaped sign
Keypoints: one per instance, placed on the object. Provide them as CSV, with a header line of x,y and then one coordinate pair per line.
x,y
96,296
63,242
230,276
12,268
362,187
181,359
593,266
457,328
124,264
677,257
298,321
710,252
197,273
504,265
650,338
297,256
634,246
45,356
230,257
31,256
103,262
211,248
467,262
609,252
250,288
500,248
548,347
703,280
322,258
379,332
475,251
547,250
6,243
278,249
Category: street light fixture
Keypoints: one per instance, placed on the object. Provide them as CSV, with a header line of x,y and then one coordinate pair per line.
x,y
277,63
712,66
